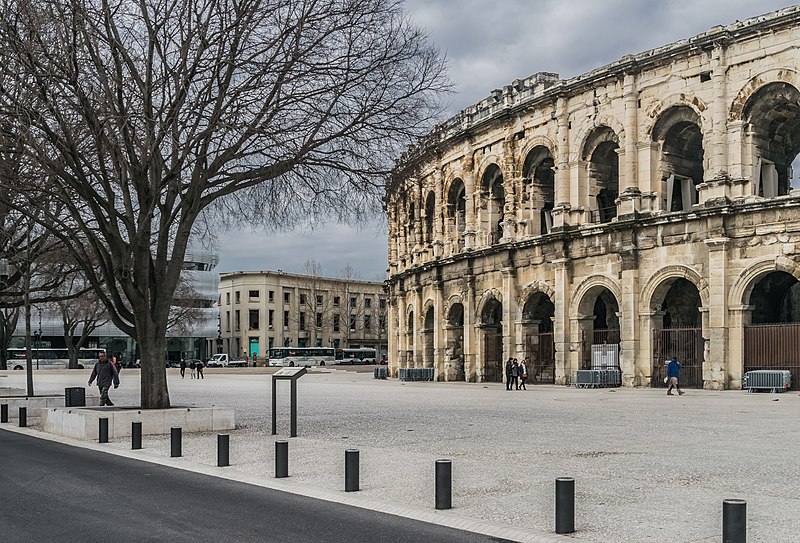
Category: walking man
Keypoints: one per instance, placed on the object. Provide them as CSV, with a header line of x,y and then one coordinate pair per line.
x,y
673,371
523,373
509,367
192,367
199,368
515,375
183,368
106,374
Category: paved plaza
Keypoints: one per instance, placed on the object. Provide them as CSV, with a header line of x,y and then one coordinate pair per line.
x,y
648,467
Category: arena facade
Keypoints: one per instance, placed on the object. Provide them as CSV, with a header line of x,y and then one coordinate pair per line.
x,y
639,211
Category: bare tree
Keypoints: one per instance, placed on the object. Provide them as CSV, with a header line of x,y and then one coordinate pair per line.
x,y
143,118
8,324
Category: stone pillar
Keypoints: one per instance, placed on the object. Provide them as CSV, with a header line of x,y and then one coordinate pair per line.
x,y
581,336
562,173
419,324
509,301
715,332
648,178
718,151
439,211
439,322
468,171
649,321
510,180
470,337
629,309
630,96
740,316
561,323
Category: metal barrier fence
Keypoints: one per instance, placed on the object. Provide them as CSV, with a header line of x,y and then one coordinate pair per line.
x,y
381,372
773,347
416,374
600,378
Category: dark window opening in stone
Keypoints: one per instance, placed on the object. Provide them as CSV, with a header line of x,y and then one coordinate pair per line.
x,y
600,151
492,315
776,299
430,212
456,316
705,76
429,321
493,198
772,115
539,310
678,132
605,314
410,323
538,190
681,305
457,206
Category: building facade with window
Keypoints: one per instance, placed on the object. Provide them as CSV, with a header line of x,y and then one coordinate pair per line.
x,y
264,309
643,210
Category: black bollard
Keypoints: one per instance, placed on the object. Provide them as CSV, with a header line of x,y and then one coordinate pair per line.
x,y
23,417
175,441
281,459
565,505
351,470
223,450
734,521
136,435
4,412
103,430
444,484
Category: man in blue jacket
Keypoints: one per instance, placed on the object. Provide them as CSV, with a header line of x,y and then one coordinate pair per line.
x,y
106,374
673,371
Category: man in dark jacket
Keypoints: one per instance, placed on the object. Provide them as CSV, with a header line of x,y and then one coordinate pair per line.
x,y
673,372
106,374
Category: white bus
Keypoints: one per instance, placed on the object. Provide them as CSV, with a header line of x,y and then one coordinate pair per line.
x,y
356,356
50,359
302,356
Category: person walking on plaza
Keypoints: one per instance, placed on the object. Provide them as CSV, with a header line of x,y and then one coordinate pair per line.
x,y
106,375
192,367
523,373
199,368
183,368
515,374
673,372
509,368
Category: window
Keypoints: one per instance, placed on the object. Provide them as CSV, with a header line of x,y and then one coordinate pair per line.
x,y
382,303
336,301
254,294
271,296
227,321
227,298
238,297
319,320
352,323
367,322
336,323
271,341
302,342
319,342
236,320
271,318
286,297
382,322
353,301
319,299
254,318
302,321
302,299
367,302
285,320
286,342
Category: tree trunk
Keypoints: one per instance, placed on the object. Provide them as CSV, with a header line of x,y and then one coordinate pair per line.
x,y
152,347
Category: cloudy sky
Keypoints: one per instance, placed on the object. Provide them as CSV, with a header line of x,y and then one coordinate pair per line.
x,y
489,43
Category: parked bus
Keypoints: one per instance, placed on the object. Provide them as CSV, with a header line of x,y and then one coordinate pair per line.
x,y
356,356
302,356
51,359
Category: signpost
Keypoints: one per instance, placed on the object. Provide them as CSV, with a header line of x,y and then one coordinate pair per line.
x,y
291,375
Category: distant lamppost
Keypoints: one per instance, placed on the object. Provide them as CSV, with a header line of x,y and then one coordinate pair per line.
x,y
37,338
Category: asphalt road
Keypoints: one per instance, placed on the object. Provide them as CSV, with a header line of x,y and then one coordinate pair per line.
x,y
53,492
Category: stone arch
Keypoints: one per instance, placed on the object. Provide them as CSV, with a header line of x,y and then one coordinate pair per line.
x,y
425,307
485,163
659,284
535,141
599,151
532,288
598,122
486,297
450,302
579,302
682,161
739,294
776,75
674,100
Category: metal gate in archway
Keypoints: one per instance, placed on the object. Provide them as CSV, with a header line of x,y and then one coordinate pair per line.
x,y
493,355
540,349
773,347
688,345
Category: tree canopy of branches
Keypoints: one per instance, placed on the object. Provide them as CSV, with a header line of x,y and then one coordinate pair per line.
x,y
146,118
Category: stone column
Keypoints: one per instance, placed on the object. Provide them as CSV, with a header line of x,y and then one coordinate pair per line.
x,y
562,173
715,332
561,321
718,151
470,337
740,316
393,348
468,171
630,96
419,324
649,321
629,309
439,211
439,335
648,177
581,336
510,180
509,301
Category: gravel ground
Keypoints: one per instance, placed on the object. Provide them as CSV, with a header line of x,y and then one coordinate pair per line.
x,y
648,467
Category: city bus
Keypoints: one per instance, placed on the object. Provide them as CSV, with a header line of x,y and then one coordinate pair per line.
x,y
367,355
51,359
302,356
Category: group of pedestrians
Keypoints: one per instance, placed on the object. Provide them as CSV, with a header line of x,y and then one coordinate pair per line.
x,y
516,374
195,367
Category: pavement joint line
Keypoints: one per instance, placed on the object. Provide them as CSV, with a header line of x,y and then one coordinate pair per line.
x,y
446,519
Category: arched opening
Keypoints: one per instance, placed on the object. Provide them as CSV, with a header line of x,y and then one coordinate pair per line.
x,y
772,115
454,369
411,223
427,339
681,164
600,152
678,332
491,327
493,202
410,363
540,348
538,191
457,211
772,339
600,330
430,214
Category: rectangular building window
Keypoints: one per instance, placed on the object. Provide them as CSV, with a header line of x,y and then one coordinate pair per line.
x,y
302,321
382,322
286,297
335,301
238,297
382,303
254,319
227,321
352,301
236,320
367,302
319,342
319,320
336,323
271,341
271,317
285,320
367,322
227,298
302,299
254,294
271,296
352,323
319,299
302,342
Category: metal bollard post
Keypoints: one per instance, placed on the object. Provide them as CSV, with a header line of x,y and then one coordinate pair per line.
x,y
351,470
565,505
136,435
734,521
281,459
103,430
223,450
4,412
175,441
444,484
23,417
